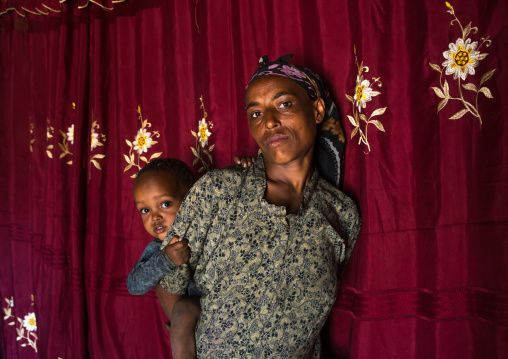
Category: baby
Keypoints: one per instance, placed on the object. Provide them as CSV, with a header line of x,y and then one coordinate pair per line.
x,y
159,189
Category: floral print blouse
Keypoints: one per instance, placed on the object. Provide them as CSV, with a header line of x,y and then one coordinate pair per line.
x,y
268,279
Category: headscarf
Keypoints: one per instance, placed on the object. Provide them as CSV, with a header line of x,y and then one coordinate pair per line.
x,y
330,141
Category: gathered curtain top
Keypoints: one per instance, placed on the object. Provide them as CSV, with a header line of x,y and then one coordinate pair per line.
x,y
45,7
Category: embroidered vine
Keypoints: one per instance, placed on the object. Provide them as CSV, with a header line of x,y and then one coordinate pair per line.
x,y
142,142
202,138
462,57
363,94
67,139
50,130
95,141
27,326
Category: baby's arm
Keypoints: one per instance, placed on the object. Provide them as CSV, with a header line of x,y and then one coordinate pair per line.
x,y
150,268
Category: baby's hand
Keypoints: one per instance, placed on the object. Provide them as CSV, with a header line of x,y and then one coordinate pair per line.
x,y
244,161
178,252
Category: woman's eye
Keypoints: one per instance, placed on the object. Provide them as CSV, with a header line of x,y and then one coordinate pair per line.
x,y
167,204
144,210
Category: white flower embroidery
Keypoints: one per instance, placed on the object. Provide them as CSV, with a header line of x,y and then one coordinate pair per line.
x,y
203,133
94,139
70,134
363,93
143,141
30,323
461,58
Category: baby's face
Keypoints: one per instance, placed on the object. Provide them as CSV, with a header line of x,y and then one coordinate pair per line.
x,y
157,199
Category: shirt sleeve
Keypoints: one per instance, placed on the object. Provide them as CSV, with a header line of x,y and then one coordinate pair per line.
x,y
192,223
150,268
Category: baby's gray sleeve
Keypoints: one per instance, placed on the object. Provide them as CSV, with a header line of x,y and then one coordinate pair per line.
x,y
148,271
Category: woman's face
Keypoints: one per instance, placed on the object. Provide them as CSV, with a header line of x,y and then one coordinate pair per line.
x,y
282,118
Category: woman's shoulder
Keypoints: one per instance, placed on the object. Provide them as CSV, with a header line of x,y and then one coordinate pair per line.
x,y
222,178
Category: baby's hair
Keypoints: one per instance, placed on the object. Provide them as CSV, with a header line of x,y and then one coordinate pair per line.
x,y
179,171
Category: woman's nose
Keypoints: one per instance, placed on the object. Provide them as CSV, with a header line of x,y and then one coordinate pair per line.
x,y
271,120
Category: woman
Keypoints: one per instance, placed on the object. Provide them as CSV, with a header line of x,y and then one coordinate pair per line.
x,y
267,242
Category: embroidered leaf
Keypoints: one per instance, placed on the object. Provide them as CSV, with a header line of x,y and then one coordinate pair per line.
x,y
355,130
133,176
446,89
99,156
352,120
466,31
208,154
211,147
194,133
486,92
374,93
50,155
201,169
154,143
132,158
442,104
127,168
435,67
363,117
23,345
487,76
96,164
482,56
18,338
195,161
69,162
126,158
378,124
139,109
50,147
194,152
12,323
155,155
143,158
350,98
128,142
438,92
19,320
378,112
458,114
470,87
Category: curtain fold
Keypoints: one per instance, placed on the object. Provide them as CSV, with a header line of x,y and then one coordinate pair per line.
x,y
89,95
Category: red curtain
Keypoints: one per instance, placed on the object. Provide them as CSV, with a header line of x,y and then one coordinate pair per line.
x,y
428,277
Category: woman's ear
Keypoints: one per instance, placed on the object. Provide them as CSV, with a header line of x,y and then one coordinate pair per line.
x,y
319,110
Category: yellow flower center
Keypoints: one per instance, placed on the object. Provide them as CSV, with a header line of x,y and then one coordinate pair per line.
x,y
32,322
141,140
202,133
461,57
93,137
359,93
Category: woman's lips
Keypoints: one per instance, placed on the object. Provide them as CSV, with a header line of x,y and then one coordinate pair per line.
x,y
276,140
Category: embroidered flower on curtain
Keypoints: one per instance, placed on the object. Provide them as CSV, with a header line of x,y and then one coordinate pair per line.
x,y
363,94
462,57
203,133
202,138
70,134
142,142
28,323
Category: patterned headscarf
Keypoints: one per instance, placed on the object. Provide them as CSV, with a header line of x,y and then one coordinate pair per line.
x,y
330,141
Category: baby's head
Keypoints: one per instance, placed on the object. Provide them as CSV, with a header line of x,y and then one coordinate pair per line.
x,y
159,189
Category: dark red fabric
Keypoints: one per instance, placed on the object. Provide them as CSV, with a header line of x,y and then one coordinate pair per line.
x,y
427,278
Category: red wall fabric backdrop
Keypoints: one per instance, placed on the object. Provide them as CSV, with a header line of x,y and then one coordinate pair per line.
x,y
84,90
